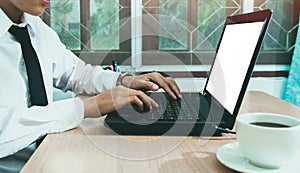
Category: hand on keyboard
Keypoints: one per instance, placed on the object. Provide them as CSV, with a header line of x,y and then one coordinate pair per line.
x,y
138,109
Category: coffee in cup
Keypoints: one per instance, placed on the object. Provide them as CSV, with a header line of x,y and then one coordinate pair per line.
x,y
268,140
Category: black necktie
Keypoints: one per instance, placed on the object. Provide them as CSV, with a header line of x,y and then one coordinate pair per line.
x,y
35,80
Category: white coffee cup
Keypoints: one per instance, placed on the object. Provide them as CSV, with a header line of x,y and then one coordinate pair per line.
x,y
268,147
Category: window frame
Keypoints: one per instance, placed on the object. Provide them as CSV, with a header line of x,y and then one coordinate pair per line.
x,y
104,56
265,57
270,63
132,58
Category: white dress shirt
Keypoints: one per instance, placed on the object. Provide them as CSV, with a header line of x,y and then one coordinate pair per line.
x,y
20,124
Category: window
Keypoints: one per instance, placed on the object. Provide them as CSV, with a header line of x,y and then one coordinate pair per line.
x,y
66,22
95,30
280,38
190,29
171,32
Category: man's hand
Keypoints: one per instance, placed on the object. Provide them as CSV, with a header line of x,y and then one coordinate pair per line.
x,y
152,81
114,99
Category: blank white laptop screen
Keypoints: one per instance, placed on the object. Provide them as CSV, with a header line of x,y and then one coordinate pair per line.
x,y
232,61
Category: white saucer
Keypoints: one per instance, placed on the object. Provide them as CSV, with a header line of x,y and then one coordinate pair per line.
x,y
230,156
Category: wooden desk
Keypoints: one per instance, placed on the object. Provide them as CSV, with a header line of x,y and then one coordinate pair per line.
x,y
93,149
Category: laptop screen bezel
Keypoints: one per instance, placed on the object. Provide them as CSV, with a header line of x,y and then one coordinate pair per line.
x,y
228,119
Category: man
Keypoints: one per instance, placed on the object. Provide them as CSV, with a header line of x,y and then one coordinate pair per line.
x,y
25,117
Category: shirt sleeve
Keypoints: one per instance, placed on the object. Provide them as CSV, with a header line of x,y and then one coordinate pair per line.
x,y
19,126
72,73
84,78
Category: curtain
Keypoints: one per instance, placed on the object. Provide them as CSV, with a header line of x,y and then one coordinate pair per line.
x,y
292,87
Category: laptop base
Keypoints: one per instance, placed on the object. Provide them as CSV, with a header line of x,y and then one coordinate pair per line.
x,y
167,128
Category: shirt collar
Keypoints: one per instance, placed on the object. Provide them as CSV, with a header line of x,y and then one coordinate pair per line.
x,y
7,23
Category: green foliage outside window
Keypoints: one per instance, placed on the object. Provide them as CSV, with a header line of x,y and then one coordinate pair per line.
x,y
173,24
104,25
63,22
210,24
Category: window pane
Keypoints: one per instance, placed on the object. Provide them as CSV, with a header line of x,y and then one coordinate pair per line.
x,y
65,20
279,34
173,24
104,27
211,17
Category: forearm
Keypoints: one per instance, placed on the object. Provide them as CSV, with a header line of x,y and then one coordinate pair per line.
x,y
91,109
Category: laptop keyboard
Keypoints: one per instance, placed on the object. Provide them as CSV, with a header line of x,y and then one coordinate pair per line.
x,y
184,109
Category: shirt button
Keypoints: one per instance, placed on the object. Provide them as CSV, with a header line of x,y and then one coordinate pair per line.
x,y
22,66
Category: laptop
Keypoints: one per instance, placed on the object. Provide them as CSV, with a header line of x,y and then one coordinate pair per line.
x,y
214,110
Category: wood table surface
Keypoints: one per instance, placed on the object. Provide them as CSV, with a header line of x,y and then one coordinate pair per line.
x,y
94,148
